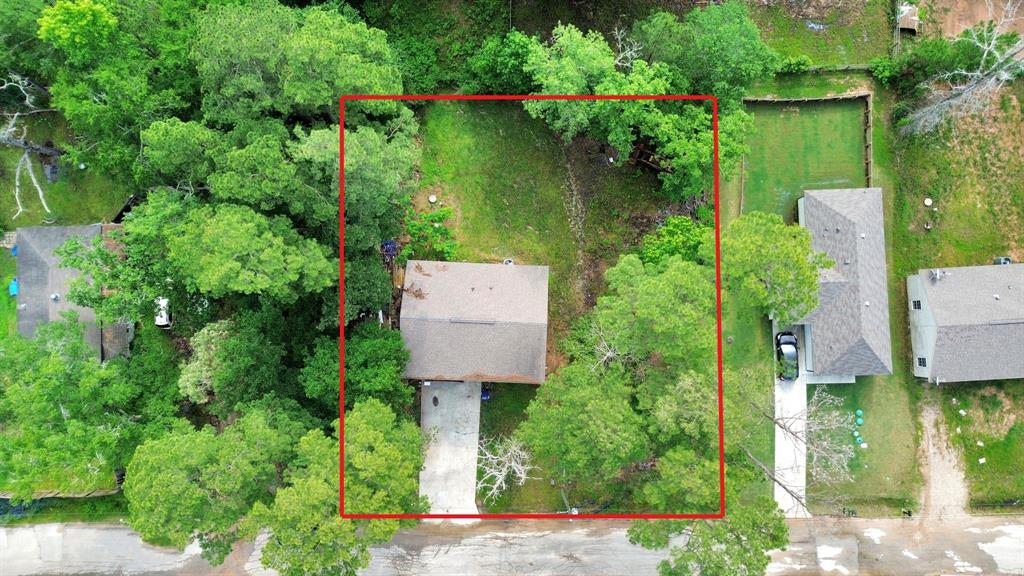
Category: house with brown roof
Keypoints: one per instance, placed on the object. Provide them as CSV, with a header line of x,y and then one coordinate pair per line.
x,y
475,322
465,324
967,323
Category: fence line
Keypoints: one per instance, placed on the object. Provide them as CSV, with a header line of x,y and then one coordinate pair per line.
x,y
867,124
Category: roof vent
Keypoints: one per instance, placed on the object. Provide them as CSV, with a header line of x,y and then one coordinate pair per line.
x,y
863,235
996,296
867,303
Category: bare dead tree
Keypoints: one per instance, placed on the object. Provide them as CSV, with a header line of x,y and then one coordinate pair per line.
x,y
969,91
829,450
502,461
21,84
626,49
822,427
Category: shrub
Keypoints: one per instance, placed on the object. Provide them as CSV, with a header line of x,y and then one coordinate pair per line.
x,y
795,64
429,237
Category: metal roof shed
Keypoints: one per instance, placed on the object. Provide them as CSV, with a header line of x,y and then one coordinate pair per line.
x,y
475,322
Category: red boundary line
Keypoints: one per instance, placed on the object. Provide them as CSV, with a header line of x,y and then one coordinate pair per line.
x,y
341,313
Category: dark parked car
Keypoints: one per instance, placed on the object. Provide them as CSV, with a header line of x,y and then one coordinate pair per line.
x,y
785,353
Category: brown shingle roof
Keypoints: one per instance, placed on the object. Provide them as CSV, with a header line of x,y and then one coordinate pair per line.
x,y
486,322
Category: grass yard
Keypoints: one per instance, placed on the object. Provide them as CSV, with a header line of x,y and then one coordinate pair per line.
x,y
78,197
848,38
820,145
8,305
975,176
504,174
801,147
991,428
62,510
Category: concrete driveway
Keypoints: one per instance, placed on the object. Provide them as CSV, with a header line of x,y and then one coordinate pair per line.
x,y
450,414
790,442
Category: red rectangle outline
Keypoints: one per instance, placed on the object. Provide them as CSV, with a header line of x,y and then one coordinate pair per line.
x,y
341,312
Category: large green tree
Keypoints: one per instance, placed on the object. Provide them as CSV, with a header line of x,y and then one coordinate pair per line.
x,y
68,420
772,265
307,535
199,483
375,359
715,50
226,248
661,313
581,427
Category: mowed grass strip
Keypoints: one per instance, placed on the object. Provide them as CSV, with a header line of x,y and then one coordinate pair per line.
x,y
8,304
800,147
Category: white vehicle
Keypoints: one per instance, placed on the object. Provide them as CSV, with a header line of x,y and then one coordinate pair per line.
x,y
163,313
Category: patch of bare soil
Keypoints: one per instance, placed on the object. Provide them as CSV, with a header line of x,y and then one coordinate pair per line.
x,y
951,17
998,423
820,10
945,487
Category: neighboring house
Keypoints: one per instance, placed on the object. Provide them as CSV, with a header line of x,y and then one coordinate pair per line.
x,y
475,322
43,286
967,323
847,335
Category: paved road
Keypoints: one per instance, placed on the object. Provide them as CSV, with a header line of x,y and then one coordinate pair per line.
x,y
843,547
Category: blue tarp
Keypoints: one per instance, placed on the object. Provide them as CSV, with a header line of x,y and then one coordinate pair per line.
x,y
13,288
14,250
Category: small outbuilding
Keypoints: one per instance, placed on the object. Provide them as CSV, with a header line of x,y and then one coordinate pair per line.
x,y
908,18
967,323
475,322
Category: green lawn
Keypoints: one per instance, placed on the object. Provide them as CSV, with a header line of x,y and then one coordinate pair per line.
x,y
820,146
847,38
975,176
78,197
8,305
504,174
802,147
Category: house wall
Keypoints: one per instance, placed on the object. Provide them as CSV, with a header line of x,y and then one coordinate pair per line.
x,y
923,330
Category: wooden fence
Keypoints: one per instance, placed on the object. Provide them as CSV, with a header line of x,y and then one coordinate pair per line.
x,y
867,123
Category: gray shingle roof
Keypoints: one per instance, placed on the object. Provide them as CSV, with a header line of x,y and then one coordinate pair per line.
x,y
978,337
40,275
850,326
485,322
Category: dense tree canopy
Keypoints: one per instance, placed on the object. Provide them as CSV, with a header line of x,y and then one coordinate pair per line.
x,y
222,116
68,420
582,427
199,483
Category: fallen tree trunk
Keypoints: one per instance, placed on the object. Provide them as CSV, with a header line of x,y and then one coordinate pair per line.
x,y
31,147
